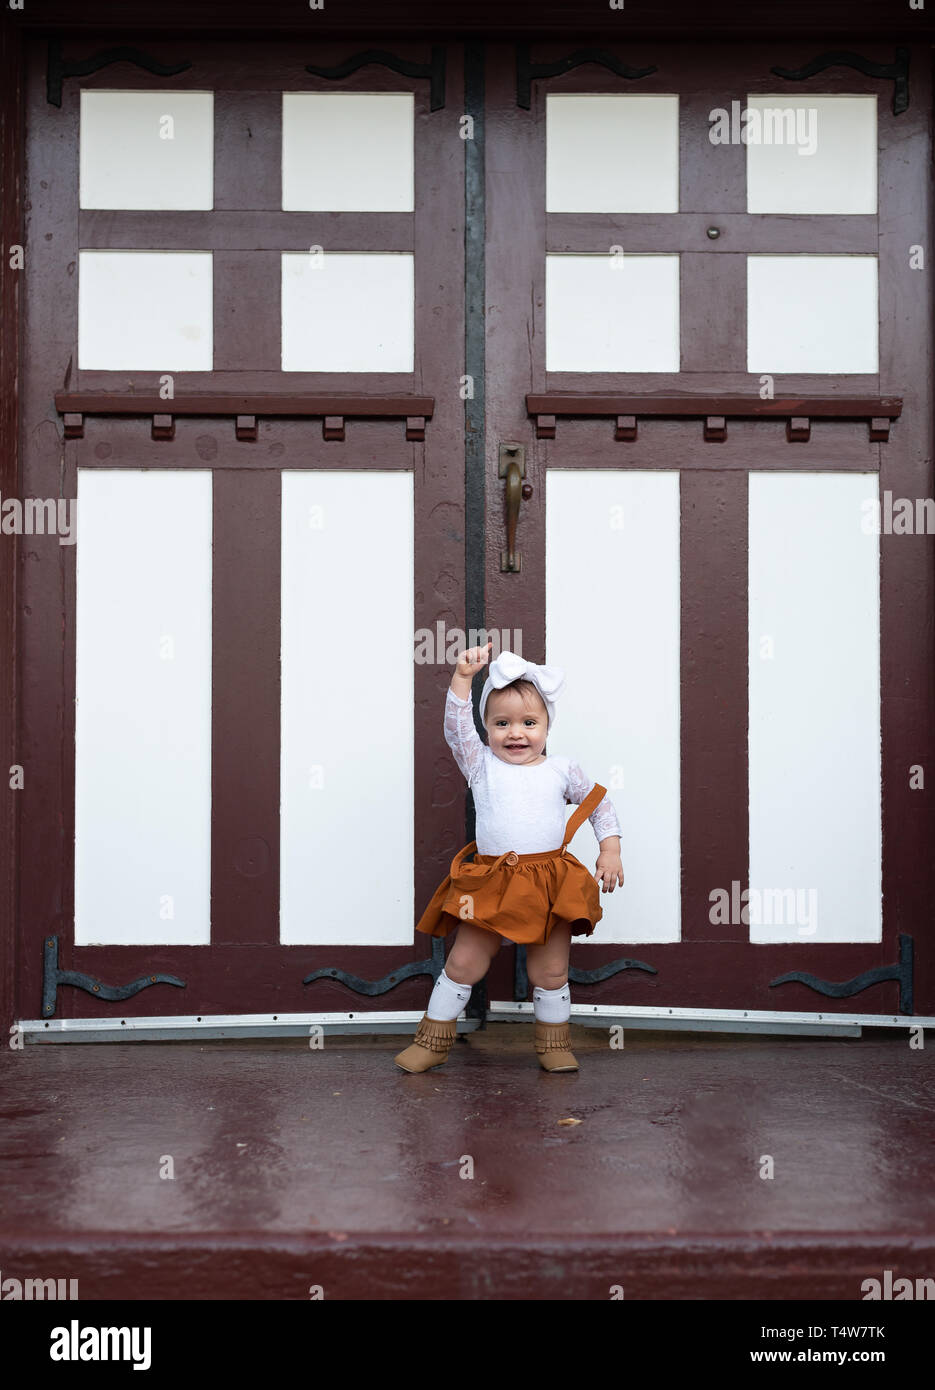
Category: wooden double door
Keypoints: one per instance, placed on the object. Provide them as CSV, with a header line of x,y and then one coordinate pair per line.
x,y
347,363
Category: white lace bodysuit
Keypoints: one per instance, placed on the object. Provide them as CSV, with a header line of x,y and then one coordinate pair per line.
x,y
518,806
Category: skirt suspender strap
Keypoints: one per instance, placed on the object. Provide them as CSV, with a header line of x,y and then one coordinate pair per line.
x,y
587,808
459,857
462,855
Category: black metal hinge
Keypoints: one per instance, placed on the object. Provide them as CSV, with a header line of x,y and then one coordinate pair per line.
x,y
901,972
898,70
52,977
57,69
434,71
527,71
431,966
575,977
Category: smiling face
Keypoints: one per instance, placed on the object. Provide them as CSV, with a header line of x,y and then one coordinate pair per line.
x,y
517,723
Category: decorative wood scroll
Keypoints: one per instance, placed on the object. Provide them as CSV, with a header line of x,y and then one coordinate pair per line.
x,y
245,411
715,411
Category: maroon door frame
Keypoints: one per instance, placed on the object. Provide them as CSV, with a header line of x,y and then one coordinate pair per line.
x,y
11,234
907,866
715,966
245,970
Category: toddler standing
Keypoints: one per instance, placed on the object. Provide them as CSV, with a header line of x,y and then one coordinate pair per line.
x,y
519,887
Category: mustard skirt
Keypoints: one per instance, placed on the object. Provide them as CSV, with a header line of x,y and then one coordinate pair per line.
x,y
521,897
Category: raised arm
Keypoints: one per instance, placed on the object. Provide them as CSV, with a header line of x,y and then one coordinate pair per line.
x,y
604,818
460,734
462,737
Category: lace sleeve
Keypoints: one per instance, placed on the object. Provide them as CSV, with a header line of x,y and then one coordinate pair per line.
x,y
604,818
462,737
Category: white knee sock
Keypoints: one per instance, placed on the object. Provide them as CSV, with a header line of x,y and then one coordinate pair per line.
x,y
448,998
552,1005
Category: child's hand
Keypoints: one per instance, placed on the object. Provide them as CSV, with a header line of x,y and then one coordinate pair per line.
x,y
471,661
609,870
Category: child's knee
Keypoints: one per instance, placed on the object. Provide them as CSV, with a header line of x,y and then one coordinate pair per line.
x,y
548,977
466,967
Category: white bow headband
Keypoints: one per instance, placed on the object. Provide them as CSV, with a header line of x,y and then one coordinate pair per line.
x,y
548,680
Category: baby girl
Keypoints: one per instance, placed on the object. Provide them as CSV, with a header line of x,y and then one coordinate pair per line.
x,y
520,887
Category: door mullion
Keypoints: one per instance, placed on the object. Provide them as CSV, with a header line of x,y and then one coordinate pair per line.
x,y
245,715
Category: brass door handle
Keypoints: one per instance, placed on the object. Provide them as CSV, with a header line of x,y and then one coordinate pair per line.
x,y
513,469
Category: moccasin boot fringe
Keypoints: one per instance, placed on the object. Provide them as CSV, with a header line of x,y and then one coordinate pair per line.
x,y
430,1046
553,1046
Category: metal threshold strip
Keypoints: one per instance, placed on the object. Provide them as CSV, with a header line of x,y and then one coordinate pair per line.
x,y
300,1025
202,1026
714,1020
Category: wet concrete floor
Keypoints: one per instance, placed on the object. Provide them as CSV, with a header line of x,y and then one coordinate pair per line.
x,y
702,1166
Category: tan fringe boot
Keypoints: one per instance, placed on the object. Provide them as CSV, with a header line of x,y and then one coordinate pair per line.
x,y
430,1046
553,1046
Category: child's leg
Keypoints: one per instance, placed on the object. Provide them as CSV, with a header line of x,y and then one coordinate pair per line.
x,y
547,969
468,961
